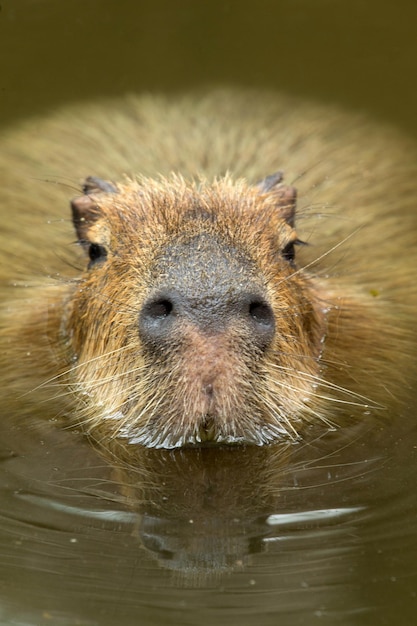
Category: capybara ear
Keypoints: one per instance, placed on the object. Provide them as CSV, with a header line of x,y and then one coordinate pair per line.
x,y
85,212
284,196
85,209
93,184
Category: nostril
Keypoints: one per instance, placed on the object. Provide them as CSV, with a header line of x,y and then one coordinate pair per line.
x,y
156,319
261,313
159,309
263,322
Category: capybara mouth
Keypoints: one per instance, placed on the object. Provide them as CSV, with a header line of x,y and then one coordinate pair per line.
x,y
173,431
154,437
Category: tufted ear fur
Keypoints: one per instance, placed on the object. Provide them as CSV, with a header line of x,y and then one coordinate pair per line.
x,y
284,196
85,209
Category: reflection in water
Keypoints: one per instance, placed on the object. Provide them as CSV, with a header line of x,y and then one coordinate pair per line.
x,y
206,511
199,532
203,511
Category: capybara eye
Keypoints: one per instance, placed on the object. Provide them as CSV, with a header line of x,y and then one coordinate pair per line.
x,y
97,253
288,252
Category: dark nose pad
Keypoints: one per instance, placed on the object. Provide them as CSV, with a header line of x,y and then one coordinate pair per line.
x,y
161,316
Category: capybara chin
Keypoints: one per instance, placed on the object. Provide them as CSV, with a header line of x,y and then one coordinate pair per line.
x,y
208,307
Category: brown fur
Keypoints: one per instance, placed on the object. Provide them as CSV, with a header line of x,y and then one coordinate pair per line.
x,y
344,315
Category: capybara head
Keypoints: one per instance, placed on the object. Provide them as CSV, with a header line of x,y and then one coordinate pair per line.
x,y
191,322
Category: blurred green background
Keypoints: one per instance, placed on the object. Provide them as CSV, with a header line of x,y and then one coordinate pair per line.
x,y
358,53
